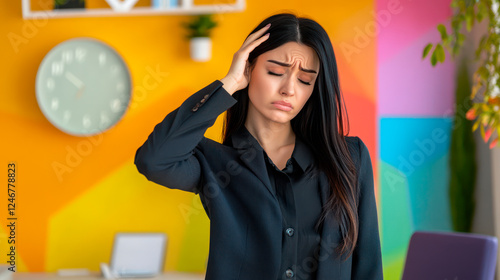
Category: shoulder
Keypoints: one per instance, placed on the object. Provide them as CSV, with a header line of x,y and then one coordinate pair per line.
x,y
362,160
359,152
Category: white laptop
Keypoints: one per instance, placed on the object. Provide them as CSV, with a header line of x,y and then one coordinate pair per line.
x,y
138,254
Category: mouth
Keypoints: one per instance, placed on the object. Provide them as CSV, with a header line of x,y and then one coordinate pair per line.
x,y
282,105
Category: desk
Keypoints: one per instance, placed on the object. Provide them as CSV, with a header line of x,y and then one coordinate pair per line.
x,y
97,276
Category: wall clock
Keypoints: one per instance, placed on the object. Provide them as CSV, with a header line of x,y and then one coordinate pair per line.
x,y
83,86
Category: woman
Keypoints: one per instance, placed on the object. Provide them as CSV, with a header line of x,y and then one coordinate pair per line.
x,y
288,195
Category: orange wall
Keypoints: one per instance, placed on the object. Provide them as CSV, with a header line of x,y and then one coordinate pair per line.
x,y
69,221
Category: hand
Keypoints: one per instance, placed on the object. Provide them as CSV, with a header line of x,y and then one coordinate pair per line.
x,y
76,82
73,79
80,91
237,78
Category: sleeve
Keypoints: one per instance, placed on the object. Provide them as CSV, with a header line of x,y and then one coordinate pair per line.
x,y
168,156
367,257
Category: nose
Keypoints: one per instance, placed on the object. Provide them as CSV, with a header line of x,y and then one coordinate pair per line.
x,y
288,86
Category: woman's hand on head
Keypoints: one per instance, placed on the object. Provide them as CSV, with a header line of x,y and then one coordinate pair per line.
x,y
237,77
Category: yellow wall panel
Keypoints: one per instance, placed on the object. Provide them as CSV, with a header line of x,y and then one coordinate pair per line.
x,y
81,234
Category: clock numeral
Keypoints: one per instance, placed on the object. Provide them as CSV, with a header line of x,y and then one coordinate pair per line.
x,y
86,121
116,105
102,59
67,56
114,69
54,104
80,54
105,121
66,116
120,87
124,98
57,68
50,83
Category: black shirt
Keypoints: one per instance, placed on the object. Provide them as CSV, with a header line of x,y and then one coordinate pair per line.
x,y
299,198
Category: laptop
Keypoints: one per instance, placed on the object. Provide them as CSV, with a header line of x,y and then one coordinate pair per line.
x,y
138,254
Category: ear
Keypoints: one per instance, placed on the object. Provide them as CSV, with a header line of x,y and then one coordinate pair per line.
x,y
247,71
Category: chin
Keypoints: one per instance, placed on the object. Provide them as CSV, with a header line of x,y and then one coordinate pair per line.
x,y
280,117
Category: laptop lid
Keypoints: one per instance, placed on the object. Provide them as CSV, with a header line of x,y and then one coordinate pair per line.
x,y
138,254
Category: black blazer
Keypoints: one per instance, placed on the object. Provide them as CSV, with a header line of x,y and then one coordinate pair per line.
x,y
245,217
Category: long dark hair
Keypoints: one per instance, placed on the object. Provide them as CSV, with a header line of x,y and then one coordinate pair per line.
x,y
320,123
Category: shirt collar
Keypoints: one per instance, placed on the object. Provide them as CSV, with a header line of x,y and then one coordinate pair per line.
x,y
243,139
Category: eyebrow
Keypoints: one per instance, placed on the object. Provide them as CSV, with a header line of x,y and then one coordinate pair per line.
x,y
288,65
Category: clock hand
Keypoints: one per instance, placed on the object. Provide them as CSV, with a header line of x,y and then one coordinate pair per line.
x,y
80,91
73,79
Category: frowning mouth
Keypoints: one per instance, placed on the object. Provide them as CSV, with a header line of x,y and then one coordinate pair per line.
x,y
282,105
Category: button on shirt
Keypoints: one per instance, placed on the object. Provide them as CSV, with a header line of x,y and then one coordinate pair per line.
x,y
299,198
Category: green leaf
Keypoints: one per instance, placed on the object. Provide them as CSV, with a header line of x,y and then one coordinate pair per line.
x,y
433,58
481,11
493,124
455,23
469,3
442,29
481,46
476,124
483,72
483,41
460,38
456,49
482,131
469,20
427,49
439,51
200,26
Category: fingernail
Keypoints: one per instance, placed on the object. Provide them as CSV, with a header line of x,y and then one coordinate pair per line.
x,y
269,24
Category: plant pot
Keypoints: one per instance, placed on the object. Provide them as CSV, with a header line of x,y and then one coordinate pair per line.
x,y
187,4
121,6
200,48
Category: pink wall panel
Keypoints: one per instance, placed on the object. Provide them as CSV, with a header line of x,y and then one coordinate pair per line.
x,y
408,85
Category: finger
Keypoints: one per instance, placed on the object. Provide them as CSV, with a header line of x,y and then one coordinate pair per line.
x,y
257,34
255,43
260,31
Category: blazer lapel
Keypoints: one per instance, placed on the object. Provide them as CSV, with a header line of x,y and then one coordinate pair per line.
x,y
252,155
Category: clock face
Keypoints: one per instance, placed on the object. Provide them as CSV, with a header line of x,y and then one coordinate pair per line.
x,y
83,86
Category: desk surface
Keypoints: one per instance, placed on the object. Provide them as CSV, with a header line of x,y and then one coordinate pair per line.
x,y
97,276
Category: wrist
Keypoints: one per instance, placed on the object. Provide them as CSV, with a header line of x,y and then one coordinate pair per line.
x,y
229,85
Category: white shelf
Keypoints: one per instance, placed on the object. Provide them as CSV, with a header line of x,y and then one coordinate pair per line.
x,y
238,6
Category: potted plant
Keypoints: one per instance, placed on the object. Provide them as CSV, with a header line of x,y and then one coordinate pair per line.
x,y
199,29
69,4
485,90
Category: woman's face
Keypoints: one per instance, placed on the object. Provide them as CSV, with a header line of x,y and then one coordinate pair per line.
x,y
282,80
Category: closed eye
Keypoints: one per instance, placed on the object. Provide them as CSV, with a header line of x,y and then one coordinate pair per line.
x,y
279,75
272,73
